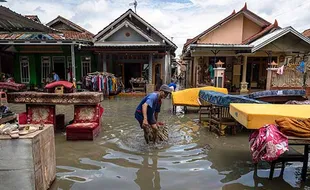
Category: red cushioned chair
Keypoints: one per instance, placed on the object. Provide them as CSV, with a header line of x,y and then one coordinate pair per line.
x,y
41,114
86,124
22,118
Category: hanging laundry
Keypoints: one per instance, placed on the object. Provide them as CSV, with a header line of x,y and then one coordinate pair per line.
x,y
301,67
280,70
102,82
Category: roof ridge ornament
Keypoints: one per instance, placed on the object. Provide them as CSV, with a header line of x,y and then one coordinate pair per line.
x,y
275,23
245,7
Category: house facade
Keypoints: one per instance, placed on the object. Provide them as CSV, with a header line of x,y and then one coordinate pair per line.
x,y
129,47
247,44
30,51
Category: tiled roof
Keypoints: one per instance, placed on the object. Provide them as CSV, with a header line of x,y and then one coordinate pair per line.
x,y
234,14
72,36
266,30
29,36
265,40
70,24
11,21
33,17
77,35
306,33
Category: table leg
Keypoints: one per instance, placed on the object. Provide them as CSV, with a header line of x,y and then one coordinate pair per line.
x,y
305,163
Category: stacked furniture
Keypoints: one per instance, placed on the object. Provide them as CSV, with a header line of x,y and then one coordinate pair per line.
x,y
189,97
279,96
219,110
40,109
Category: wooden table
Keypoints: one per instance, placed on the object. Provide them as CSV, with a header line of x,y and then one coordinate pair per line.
x,y
303,142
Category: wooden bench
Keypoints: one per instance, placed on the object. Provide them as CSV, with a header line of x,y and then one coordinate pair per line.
x,y
220,116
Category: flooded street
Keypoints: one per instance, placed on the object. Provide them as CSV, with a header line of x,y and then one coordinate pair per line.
x,y
193,158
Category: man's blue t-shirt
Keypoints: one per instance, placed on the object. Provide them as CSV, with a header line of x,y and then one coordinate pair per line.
x,y
154,105
173,84
56,77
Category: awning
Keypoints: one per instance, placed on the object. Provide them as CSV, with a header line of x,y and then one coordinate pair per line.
x,y
219,47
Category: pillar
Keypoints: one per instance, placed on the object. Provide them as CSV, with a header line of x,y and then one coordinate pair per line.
x,y
104,62
167,57
269,79
195,73
244,84
73,62
150,68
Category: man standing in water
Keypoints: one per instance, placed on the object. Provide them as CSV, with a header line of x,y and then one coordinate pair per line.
x,y
148,109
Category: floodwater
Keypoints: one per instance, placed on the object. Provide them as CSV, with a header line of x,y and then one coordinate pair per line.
x,y
193,158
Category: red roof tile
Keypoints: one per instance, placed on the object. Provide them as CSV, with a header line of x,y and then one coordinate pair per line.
x,y
77,35
70,24
33,17
261,33
306,33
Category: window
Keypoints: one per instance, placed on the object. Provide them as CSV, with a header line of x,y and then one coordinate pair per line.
x,y
86,65
45,68
24,69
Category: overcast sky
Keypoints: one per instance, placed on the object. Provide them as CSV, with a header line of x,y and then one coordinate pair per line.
x,y
180,19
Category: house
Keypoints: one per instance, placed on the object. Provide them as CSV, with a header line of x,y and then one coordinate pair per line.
x,y
30,50
247,44
130,47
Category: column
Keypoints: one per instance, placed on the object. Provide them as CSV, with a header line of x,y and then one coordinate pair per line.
x,y
195,67
166,68
244,84
73,62
150,68
104,62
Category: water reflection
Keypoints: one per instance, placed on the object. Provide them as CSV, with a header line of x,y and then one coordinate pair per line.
x,y
193,158
148,175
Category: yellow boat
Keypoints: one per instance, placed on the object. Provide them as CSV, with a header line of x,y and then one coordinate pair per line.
x,y
189,97
255,116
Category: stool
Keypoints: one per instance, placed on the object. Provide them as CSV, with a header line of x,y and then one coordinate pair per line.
x,y
289,156
59,89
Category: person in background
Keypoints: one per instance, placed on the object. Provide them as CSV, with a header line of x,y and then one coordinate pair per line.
x,y
147,111
173,86
55,77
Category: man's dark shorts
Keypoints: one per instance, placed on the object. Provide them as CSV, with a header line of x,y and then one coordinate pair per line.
x,y
139,118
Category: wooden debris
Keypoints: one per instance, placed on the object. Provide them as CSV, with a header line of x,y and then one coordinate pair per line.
x,y
161,134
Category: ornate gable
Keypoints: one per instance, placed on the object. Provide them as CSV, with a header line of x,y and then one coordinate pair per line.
x,y
130,27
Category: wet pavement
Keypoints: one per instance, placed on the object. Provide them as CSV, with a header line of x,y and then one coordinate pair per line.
x,y
193,158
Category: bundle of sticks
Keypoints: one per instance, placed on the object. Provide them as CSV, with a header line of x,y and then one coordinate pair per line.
x,y
151,134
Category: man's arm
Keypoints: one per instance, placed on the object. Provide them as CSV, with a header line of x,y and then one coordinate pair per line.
x,y
144,112
156,116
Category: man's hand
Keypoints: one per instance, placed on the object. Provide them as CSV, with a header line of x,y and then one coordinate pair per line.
x,y
145,123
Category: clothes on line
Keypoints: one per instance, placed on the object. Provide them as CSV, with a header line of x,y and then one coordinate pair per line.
x,y
101,83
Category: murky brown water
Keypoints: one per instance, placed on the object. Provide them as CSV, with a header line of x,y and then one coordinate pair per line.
x,y
193,158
